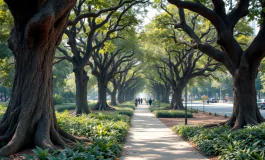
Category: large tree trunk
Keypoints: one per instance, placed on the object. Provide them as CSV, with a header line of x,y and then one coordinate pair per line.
x,y
30,117
102,96
120,96
245,111
178,99
5,94
81,80
113,97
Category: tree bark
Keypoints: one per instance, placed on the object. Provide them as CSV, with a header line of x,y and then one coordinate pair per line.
x,y
178,98
30,117
245,111
81,80
102,96
166,96
120,96
113,97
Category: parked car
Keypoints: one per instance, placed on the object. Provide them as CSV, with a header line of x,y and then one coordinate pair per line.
x,y
261,103
213,100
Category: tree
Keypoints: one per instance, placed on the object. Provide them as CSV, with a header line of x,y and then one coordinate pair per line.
x,y
105,68
126,79
133,88
30,117
89,20
241,63
113,93
6,59
182,63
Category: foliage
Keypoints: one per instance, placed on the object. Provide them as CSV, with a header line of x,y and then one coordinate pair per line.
x,y
171,114
89,126
58,99
125,112
69,106
245,143
107,132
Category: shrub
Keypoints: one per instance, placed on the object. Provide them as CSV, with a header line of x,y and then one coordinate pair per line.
x,y
171,114
193,111
247,143
65,106
131,106
68,96
126,112
57,99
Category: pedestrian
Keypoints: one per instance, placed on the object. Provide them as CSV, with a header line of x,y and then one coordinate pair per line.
x,y
150,102
135,102
141,101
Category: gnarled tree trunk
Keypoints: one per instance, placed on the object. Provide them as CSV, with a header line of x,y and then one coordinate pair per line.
x,y
30,117
245,111
81,80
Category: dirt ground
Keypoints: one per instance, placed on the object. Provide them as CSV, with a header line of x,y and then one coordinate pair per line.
x,y
199,118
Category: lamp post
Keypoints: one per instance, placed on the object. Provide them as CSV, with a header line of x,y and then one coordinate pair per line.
x,y
186,97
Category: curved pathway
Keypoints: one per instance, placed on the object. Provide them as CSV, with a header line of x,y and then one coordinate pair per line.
x,y
149,138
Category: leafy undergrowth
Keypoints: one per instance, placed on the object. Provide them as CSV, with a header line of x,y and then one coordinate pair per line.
x,y
247,143
171,114
69,106
107,132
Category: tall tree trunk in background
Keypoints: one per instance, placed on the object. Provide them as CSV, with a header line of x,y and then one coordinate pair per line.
x,y
113,97
165,97
102,96
81,80
178,104
5,94
30,117
120,96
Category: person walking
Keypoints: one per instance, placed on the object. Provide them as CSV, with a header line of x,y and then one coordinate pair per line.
x,y
150,102
135,102
141,100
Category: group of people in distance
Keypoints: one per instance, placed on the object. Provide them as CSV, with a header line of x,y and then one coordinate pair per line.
x,y
140,101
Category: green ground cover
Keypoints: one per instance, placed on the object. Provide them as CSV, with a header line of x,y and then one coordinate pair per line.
x,y
107,132
247,143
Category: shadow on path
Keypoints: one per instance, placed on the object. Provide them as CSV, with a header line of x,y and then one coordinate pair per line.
x,y
149,138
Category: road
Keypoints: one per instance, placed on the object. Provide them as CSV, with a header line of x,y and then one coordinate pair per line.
x,y
219,108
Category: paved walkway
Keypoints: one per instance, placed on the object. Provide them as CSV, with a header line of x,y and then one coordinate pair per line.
x,y
150,139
